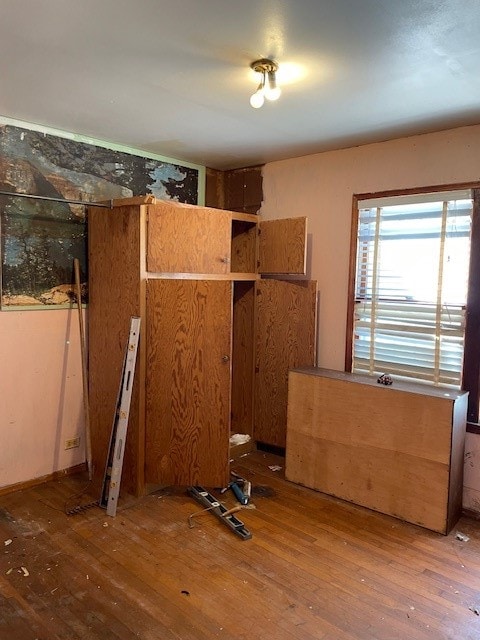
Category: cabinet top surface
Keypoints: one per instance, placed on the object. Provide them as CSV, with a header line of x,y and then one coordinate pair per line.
x,y
398,385
160,204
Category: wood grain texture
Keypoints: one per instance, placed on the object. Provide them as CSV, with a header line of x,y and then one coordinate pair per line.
x,y
114,297
203,276
282,246
457,461
285,339
244,247
235,189
188,239
243,358
386,448
316,568
214,188
133,201
245,217
188,381
244,189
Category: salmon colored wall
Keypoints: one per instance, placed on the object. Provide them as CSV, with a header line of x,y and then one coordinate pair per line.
x,y
321,187
41,402
40,370
471,477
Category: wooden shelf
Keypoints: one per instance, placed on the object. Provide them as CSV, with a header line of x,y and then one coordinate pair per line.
x,y
202,276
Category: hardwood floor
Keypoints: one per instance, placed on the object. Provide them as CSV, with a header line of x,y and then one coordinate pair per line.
x,y
315,568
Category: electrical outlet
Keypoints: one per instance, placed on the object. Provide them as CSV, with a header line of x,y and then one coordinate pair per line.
x,y
72,443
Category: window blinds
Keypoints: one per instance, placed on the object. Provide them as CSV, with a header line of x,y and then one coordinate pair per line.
x,y
411,286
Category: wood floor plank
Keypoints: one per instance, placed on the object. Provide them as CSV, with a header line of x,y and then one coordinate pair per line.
x,y
316,568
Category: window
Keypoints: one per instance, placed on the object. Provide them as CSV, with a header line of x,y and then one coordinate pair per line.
x,y
412,282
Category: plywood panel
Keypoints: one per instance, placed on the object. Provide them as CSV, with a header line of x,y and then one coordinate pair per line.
x,y
282,246
235,189
114,241
395,484
214,188
253,193
188,382
243,361
285,339
402,421
455,497
386,448
244,246
243,189
188,239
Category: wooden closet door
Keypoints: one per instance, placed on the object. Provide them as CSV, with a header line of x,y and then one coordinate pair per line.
x,y
282,246
185,238
285,339
188,333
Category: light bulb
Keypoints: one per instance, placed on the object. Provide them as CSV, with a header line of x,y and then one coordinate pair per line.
x,y
268,84
271,91
273,94
257,99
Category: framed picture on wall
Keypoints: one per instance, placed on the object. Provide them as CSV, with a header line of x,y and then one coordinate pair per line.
x,y
41,236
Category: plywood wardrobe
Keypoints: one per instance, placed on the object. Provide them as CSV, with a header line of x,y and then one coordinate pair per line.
x,y
218,333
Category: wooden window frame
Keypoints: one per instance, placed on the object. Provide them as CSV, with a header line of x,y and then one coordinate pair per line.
x,y
471,364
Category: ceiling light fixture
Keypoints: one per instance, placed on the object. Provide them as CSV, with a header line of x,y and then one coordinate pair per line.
x,y
268,82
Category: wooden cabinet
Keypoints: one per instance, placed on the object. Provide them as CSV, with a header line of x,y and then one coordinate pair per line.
x,y
395,449
187,239
285,309
189,345
191,274
282,246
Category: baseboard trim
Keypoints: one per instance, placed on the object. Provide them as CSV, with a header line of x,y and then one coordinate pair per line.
x,y
56,475
469,513
271,448
239,450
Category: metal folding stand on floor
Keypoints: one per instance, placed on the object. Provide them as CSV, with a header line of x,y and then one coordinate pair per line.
x,y
113,468
225,515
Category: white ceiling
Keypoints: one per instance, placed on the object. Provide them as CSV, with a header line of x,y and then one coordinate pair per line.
x,y
172,77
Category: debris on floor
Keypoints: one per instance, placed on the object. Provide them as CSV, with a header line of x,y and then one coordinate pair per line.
x,y
80,508
475,609
239,438
461,536
240,487
274,467
7,542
